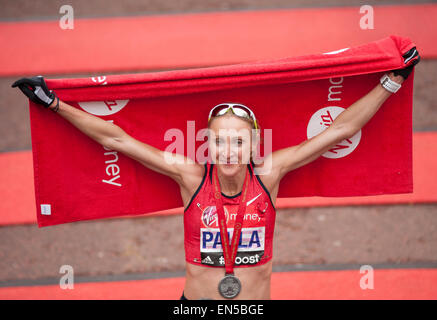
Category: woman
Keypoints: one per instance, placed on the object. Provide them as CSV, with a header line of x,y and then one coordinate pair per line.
x,y
229,197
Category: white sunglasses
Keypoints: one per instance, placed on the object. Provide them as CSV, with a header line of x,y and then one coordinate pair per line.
x,y
239,110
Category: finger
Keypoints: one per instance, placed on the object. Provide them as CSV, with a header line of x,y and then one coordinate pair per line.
x,y
20,82
29,93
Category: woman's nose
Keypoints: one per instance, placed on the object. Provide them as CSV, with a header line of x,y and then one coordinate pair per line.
x,y
229,152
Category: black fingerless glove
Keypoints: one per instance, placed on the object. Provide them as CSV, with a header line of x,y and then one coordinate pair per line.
x,y
36,90
412,57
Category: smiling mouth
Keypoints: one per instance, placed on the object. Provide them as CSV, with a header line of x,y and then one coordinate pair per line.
x,y
228,163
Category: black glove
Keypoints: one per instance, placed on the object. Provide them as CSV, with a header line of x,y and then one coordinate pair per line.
x,y
413,56
35,89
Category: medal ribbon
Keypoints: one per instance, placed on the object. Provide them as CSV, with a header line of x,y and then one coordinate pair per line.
x,y
230,250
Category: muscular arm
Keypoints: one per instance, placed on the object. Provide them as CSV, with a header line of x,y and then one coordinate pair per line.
x,y
111,136
359,113
97,129
344,126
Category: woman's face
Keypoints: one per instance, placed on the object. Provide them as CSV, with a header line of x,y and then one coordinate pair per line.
x,y
230,143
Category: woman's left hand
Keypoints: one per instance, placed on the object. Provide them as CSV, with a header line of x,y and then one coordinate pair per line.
x,y
413,56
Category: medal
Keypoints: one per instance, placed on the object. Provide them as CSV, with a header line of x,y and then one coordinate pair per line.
x,y
229,287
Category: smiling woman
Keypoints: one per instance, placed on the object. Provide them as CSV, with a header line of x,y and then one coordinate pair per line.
x,y
230,213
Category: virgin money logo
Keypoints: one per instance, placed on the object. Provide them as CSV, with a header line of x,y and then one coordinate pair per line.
x,y
100,80
103,108
210,216
320,121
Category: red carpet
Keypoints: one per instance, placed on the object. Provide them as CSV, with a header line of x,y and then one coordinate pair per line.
x,y
191,40
388,284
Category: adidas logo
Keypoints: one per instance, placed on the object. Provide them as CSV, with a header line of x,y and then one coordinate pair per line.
x,y
207,260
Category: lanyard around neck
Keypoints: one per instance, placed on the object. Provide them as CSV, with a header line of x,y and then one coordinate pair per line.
x,y
230,249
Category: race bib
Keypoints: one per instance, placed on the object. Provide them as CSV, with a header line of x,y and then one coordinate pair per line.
x,y
250,245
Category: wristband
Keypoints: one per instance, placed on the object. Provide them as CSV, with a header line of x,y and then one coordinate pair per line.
x,y
56,108
389,84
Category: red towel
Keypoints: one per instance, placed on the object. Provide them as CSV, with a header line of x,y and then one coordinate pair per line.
x,y
77,179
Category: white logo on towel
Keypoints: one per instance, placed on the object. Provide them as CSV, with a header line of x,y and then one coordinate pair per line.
x,y
46,209
320,121
336,51
103,108
101,80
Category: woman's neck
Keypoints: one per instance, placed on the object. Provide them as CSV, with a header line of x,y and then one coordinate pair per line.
x,y
233,185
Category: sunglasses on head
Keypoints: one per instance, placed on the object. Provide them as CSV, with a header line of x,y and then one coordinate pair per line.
x,y
239,110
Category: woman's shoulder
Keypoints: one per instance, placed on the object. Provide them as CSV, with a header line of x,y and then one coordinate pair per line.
x,y
266,175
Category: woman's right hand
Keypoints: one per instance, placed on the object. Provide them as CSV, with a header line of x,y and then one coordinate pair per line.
x,y
35,89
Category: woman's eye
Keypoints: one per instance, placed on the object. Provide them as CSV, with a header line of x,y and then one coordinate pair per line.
x,y
238,142
235,142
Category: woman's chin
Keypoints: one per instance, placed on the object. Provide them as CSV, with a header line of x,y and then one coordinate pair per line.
x,y
229,169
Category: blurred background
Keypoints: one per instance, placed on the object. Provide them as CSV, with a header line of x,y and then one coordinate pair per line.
x,y
318,247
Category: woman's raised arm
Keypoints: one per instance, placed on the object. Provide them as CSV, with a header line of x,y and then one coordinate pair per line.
x,y
183,170
343,127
